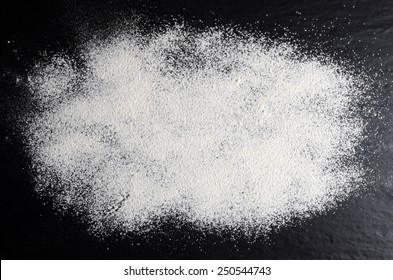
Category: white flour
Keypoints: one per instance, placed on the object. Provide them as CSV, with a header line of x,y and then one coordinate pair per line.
x,y
226,132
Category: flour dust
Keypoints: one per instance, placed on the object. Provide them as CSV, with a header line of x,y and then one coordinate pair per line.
x,y
225,131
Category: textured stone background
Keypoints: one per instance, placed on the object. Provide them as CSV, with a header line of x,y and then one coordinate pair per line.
x,y
362,228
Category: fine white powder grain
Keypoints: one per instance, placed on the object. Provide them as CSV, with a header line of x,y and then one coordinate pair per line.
x,y
221,130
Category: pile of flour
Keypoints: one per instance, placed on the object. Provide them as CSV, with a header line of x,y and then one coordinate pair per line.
x,y
224,131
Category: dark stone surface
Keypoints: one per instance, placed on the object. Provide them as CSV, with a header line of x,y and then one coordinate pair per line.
x,y
361,32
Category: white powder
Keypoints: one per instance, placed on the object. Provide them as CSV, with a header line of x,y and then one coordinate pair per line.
x,y
225,131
